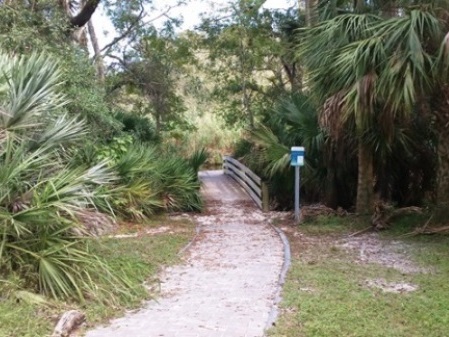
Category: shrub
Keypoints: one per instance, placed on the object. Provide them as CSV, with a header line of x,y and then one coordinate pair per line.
x,y
40,195
152,180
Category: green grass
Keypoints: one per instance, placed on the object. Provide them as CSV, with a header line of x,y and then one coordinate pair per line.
x,y
138,258
326,295
22,319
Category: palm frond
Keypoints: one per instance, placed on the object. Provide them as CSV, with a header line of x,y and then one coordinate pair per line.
x,y
62,131
198,158
441,65
329,51
410,68
272,153
31,83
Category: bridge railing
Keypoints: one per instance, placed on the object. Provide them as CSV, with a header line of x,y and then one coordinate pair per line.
x,y
246,178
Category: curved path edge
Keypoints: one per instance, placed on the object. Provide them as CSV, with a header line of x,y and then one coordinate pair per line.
x,y
192,240
274,313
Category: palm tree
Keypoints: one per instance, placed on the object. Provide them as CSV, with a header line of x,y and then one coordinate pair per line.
x,y
334,79
371,70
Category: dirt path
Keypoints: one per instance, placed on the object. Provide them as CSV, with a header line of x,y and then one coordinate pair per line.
x,y
228,283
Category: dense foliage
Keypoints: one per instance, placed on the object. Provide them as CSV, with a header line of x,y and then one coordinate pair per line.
x,y
44,191
371,112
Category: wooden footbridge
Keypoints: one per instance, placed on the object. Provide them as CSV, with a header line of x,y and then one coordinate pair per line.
x,y
249,181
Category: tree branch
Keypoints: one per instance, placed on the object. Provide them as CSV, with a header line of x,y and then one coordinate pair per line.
x,y
121,61
85,14
134,26
128,31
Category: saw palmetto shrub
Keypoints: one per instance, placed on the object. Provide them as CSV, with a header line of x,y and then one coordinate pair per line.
x,y
40,195
152,180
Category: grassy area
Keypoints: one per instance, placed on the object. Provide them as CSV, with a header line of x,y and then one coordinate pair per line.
x,y
326,293
140,258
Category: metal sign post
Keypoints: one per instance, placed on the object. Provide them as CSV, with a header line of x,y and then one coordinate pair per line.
x,y
297,160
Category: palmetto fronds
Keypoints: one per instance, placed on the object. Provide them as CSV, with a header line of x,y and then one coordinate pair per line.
x,y
198,158
27,86
271,153
40,195
375,61
294,121
151,180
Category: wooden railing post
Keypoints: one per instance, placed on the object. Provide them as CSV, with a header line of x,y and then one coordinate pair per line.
x,y
265,197
225,167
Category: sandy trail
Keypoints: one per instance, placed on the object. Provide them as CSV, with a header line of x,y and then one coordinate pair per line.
x,y
227,284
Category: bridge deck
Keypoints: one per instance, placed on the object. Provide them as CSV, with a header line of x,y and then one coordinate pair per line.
x,y
219,187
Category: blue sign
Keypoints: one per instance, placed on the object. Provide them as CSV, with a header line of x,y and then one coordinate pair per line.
x,y
297,156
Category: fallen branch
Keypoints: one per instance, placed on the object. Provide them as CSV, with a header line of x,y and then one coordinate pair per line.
x,y
367,229
405,211
424,230
437,230
420,230
384,214
311,212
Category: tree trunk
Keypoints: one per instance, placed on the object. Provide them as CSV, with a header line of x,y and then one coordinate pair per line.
x,y
359,5
443,157
443,169
440,109
97,54
247,105
245,74
331,195
87,9
311,12
331,192
78,30
157,112
79,35
292,74
365,184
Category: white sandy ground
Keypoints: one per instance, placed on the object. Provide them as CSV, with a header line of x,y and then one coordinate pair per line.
x,y
391,254
228,282
370,248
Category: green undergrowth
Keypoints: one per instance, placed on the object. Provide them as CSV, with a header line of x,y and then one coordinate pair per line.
x,y
23,314
326,293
